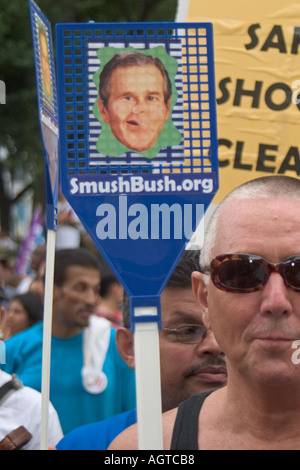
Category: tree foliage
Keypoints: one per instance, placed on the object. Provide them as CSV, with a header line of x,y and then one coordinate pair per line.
x,y
19,125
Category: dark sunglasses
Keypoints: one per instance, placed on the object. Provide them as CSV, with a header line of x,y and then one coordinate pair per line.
x,y
249,273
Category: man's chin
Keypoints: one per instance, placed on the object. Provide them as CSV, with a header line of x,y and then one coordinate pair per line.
x,y
83,319
201,385
138,147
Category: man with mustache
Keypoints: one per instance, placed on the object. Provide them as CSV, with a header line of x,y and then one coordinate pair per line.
x,y
89,381
249,294
190,359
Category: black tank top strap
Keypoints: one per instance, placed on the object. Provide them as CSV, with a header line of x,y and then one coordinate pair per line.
x,y
185,432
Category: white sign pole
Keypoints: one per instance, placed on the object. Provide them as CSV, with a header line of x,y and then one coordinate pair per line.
x,y
148,385
47,333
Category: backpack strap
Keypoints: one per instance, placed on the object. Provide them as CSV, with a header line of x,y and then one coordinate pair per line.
x,y
9,387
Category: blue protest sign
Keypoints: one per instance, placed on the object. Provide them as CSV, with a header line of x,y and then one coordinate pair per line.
x,y
47,106
138,142
48,118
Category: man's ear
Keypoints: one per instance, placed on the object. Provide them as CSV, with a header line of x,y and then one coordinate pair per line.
x,y
103,111
125,345
200,292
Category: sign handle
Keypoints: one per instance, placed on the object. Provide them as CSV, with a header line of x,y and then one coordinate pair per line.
x,y
47,332
148,386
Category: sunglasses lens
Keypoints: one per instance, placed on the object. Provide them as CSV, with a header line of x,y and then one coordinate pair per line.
x,y
292,272
241,274
249,273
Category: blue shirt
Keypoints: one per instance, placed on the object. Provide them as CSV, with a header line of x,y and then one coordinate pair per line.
x,y
97,436
74,405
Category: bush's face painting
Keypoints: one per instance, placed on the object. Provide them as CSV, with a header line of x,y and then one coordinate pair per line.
x,y
136,110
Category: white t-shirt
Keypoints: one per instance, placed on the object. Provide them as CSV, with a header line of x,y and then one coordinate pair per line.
x,y
23,408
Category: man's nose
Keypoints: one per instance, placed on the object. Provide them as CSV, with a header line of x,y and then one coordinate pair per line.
x,y
138,107
275,296
91,296
10,313
209,345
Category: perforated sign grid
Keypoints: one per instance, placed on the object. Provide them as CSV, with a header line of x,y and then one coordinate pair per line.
x,y
193,112
140,188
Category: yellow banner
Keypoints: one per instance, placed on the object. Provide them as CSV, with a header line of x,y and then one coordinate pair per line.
x,y
257,48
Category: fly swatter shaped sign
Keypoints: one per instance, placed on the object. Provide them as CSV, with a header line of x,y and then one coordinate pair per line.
x,y
138,141
48,117
47,106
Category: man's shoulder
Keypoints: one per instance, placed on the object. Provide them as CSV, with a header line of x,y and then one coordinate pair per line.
x,y
29,397
34,332
4,377
97,436
24,342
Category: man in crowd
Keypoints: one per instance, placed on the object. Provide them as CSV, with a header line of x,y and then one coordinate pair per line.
x,y
191,361
89,381
249,294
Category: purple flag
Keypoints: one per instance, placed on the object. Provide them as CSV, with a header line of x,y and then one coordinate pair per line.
x,y
34,239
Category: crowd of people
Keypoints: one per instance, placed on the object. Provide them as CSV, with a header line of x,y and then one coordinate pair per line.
x,y
92,380
230,318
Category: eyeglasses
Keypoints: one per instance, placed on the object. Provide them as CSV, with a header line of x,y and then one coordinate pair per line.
x,y
188,334
249,273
